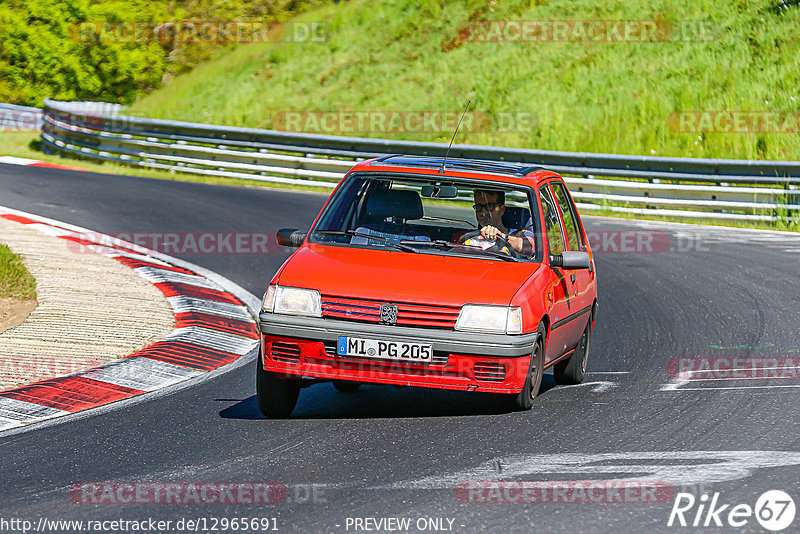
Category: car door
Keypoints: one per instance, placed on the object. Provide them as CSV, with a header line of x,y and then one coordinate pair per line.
x,y
558,290
580,280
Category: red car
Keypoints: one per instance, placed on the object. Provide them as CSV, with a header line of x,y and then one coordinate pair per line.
x,y
467,275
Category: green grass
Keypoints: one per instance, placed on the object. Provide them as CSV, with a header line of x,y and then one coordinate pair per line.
x,y
585,96
594,97
15,280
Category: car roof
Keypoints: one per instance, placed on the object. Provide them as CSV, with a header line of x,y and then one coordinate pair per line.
x,y
518,173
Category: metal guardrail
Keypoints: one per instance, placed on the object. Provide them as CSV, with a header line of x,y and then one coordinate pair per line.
x,y
681,187
19,118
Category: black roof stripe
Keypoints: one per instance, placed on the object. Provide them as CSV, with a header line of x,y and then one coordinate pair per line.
x,y
459,164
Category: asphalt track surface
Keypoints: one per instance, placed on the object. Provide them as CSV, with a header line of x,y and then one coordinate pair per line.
x,y
389,452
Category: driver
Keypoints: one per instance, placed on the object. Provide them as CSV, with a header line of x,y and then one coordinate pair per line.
x,y
490,205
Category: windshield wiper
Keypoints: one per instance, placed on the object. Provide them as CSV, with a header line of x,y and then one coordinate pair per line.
x,y
353,233
495,254
440,243
435,243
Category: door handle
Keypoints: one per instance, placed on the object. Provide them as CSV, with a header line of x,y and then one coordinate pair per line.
x,y
572,277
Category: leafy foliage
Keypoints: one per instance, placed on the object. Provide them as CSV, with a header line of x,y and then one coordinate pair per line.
x,y
56,48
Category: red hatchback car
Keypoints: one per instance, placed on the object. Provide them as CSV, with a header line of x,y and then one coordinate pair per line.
x,y
473,275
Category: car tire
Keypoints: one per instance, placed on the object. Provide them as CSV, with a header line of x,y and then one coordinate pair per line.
x,y
533,381
277,397
573,370
346,387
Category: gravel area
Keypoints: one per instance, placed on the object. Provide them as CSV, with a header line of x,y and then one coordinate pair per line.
x,y
91,309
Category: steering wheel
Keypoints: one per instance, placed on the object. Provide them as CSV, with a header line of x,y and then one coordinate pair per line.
x,y
503,243
511,250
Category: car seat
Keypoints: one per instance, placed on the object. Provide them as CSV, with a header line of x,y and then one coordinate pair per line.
x,y
398,205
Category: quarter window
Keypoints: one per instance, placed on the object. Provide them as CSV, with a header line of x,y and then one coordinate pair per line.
x,y
568,215
551,224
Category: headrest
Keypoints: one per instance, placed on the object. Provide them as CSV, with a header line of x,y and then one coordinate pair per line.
x,y
517,218
395,203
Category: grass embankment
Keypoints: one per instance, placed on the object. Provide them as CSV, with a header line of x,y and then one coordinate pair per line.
x,y
612,97
15,280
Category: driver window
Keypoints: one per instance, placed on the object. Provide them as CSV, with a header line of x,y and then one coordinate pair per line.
x,y
552,226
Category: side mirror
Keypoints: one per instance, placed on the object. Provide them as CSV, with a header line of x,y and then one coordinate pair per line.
x,y
290,237
571,260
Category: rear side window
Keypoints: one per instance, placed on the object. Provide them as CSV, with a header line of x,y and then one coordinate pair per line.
x,y
551,224
569,216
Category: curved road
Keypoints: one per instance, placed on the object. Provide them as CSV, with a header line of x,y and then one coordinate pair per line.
x,y
388,452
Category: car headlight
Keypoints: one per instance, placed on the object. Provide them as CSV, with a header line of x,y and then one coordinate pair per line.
x,y
490,319
292,301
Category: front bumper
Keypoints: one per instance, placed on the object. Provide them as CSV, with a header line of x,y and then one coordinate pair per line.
x,y
462,361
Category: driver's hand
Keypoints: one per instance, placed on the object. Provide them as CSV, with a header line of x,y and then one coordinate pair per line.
x,y
490,232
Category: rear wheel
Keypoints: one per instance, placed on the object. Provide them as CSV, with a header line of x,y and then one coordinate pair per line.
x,y
524,399
276,397
345,386
573,370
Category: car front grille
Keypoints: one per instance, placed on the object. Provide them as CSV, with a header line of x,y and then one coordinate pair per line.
x,y
408,314
285,352
490,371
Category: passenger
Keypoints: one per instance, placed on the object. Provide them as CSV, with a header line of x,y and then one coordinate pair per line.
x,y
490,205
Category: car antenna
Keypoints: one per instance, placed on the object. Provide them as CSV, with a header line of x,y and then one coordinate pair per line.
x,y
441,167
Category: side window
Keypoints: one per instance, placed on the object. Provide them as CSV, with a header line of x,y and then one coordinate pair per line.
x,y
568,215
552,226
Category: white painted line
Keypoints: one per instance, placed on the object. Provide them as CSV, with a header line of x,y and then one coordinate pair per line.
x,y
609,373
5,424
26,411
184,304
12,160
156,275
677,468
674,385
214,339
141,373
49,230
739,369
744,378
601,386
773,386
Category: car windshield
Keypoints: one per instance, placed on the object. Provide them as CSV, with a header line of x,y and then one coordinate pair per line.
x,y
432,215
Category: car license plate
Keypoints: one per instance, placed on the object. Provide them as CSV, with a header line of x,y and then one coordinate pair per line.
x,y
391,350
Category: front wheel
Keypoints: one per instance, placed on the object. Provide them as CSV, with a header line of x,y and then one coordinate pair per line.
x,y
276,397
573,370
524,399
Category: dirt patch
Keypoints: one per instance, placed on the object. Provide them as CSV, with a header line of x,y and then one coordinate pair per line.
x,y
13,312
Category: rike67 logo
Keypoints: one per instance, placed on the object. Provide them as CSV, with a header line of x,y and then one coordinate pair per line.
x,y
774,510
